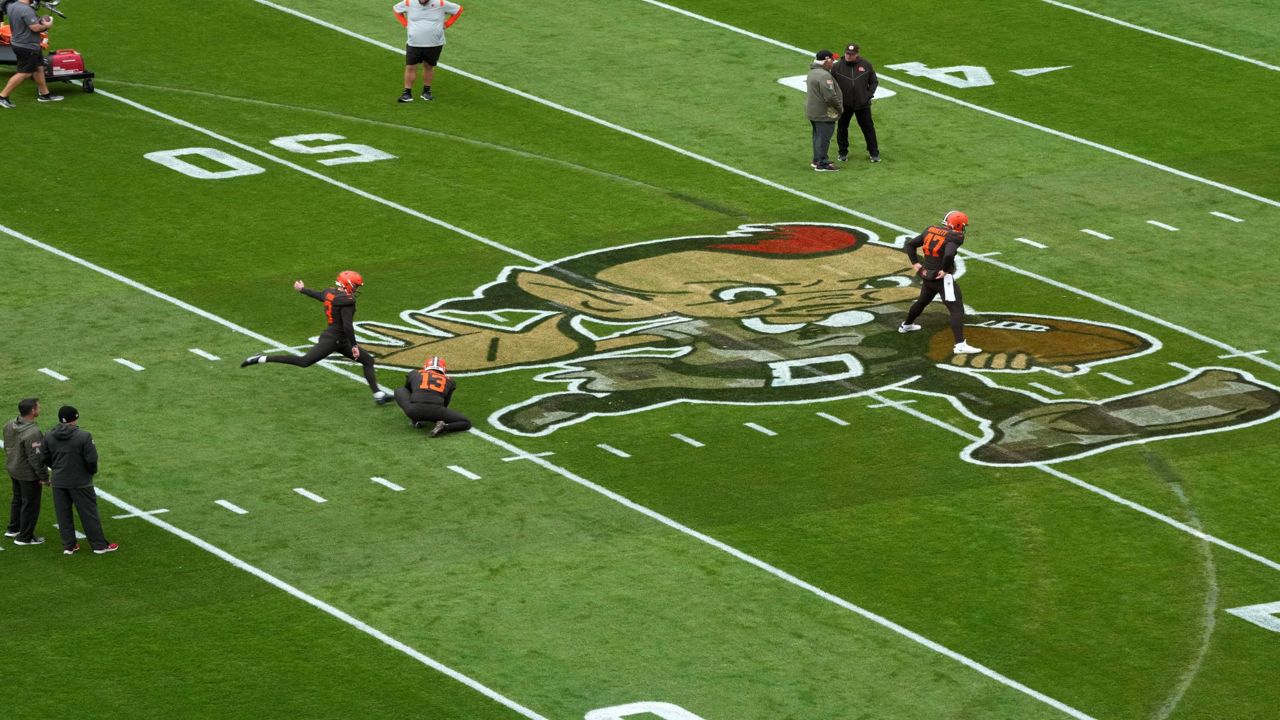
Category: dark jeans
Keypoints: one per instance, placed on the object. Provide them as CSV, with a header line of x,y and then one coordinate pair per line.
x,y
85,501
822,131
431,412
25,509
865,123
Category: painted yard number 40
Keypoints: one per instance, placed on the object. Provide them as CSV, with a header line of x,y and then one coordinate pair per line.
x,y
233,166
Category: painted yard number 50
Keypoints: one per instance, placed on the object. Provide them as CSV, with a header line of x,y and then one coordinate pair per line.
x,y
235,167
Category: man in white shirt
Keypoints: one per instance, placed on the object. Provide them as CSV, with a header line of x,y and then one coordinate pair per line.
x,y
426,21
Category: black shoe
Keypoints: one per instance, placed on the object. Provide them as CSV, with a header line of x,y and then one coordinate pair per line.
x,y
252,360
48,97
875,158
826,167
426,95
438,430
33,541
406,96
6,102
418,424
844,157
11,534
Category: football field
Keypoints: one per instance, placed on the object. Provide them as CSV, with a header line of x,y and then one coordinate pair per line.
x,y
708,480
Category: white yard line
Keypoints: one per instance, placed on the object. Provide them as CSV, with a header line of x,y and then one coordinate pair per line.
x,y
1032,243
994,113
687,440
326,608
612,450
231,506
309,495
562,472
387,483
1166,36
1225,216
464,472
130,364
130,515
205,355
55,375
1096,234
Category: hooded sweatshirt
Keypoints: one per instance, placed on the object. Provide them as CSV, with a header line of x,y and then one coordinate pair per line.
x,y
22,447
70,452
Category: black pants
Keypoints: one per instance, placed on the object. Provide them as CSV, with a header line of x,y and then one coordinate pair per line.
x,y
25,509
865,123
928,291
431,412
85,501
326,346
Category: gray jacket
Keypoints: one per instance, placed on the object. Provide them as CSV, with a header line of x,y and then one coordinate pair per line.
x,y
823,101
70,452
22,451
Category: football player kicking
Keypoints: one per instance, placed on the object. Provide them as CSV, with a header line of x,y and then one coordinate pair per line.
x,y
940,243
425,399
339,336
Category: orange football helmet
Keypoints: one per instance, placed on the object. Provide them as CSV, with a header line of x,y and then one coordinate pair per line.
x,y
435,362
350,281
956,220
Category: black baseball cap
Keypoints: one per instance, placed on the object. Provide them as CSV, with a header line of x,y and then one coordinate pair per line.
x,y
824,54
67,414
851,48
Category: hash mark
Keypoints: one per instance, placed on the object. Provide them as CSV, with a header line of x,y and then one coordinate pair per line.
x,y
1242,353
611,449
1096,234
760,429
309,495
1165,226
1032,243
464,472
231,506
205,355
79,535
1225,216
528,456
833,419
54,375
891,404
387,483
1117,378
144,513
129,364
689,440
1180,366
1046,388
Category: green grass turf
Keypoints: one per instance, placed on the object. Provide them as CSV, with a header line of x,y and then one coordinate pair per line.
x,y
552,594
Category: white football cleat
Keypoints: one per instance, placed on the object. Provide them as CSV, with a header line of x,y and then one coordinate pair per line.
x,y
905,328
381,397
964,348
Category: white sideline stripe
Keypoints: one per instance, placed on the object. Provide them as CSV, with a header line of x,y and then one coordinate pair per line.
x,y
1096,234
760,429
1046,388
205,355
231,506
465,472
612,449
1116,378
1166,36
1165,226
326,608
686,439
770,183
319,176
130,515
834,419
1032,243
54,375
979,108
1099,491
776,572
1225,216
131,365
387,483
309,495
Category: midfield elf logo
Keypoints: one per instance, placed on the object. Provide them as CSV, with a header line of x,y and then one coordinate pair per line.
x,y
794,313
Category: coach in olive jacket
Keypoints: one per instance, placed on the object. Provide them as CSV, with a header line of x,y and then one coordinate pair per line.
x,y
71,454
25,463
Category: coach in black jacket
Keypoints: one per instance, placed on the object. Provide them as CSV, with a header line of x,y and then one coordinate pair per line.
x,y
71,454
858,83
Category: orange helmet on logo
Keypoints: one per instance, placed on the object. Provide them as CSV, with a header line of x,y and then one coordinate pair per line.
x,y
435,362
350,281
956,220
